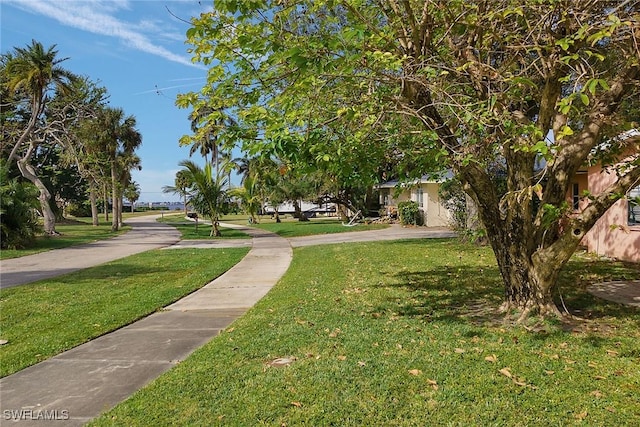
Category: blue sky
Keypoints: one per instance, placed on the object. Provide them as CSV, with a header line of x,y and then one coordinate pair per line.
x,y
134,48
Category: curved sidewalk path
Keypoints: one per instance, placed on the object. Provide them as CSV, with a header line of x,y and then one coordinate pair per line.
x,y
79,384
146,234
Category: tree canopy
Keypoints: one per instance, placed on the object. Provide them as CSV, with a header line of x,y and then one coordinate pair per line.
x,y
542,87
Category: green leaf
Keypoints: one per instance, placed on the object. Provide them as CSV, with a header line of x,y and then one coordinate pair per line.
x,y
585,99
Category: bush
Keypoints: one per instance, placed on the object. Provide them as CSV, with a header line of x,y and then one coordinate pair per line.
x,y
79,209
409,213
18,220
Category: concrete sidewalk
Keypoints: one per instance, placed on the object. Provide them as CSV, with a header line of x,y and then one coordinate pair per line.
x,y
146,234
72,388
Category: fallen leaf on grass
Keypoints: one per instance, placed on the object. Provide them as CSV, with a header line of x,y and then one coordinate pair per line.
x,y
433,384
362,363
581,416
335,333
341,357
596,393
599,377
493,358
281,362
415,372
459,350
506,372
612,352
297,404
517,381
549,372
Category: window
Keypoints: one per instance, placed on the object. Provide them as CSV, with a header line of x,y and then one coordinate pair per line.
x,y
576,196
633,203
420,197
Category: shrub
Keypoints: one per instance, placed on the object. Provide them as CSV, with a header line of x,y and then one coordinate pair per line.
x,y
409,213
79,209
18,203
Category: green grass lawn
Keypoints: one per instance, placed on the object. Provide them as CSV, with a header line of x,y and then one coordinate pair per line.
x,y
289,227
47,317
72,232
405,334
295,228
189,231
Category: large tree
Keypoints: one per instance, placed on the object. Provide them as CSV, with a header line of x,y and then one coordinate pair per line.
x,y
542,87
29,76
82,150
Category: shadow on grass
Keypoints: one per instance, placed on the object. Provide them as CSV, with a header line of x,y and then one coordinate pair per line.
x,y
580,273
463,292
460,293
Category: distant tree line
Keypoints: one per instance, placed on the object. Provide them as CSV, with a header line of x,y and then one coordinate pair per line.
x,y
63,148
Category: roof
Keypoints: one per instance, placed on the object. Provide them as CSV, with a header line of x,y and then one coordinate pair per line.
x,y
425,179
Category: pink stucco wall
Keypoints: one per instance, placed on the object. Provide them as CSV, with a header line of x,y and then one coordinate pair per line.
x,y
611,236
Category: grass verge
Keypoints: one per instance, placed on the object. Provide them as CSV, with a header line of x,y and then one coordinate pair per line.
x,y
295,228
404,333
189,231
45,318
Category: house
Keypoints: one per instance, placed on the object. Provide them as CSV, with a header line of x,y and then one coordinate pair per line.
x,y
617,232
423,191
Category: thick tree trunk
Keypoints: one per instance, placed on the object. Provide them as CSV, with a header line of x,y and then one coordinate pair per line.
x,y
528,285
298,211
49,219
529,272
342,212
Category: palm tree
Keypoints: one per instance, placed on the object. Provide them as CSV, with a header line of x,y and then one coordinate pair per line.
x,y
126,162
249,196
180,187
206,124
132,193
30,73
117,136
207,192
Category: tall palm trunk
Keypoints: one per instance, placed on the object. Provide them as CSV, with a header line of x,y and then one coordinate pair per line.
x,y
114,198
106,201
94,204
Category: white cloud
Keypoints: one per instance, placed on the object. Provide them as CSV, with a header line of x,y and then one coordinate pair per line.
x,y
99,17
